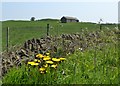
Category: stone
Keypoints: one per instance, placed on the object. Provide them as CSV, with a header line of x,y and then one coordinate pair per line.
x,y
44,46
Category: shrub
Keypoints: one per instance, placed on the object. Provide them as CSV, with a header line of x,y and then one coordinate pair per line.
x,y
32,19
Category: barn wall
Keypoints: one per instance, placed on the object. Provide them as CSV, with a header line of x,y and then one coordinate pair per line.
x,y
64,20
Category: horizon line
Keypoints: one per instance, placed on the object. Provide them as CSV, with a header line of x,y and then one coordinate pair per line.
x,y
53,18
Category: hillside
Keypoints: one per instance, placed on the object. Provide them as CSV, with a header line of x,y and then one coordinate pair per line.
x,y
24,30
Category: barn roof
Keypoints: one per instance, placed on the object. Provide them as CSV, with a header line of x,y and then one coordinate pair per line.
x,y
67,17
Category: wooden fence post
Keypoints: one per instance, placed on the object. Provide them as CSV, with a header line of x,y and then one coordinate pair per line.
x,y
47,29
7,39
100,26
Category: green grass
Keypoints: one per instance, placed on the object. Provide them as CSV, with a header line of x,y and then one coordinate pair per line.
x,y
20,31
79,68
96,65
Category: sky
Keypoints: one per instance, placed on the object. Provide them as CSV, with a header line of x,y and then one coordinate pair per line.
x,y
59,0
85,11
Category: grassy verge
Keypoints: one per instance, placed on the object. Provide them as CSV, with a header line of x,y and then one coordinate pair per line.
x,y
79,68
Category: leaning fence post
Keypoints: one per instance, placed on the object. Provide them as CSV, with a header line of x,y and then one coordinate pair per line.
x,y
7,38
47,29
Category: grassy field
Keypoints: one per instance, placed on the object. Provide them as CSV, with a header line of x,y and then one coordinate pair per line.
x,y
98,64
24,30
79,68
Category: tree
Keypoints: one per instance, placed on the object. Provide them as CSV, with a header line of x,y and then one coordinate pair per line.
x,y
32,19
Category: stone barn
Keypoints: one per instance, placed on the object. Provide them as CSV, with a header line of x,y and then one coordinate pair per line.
x,y
66,19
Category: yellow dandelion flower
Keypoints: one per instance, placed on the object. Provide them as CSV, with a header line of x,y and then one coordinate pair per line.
x,y
49,62
40,55
42,69
31,63
54,66
55,59
35,60
46,65
62,59
46,58
48,54
39,61
35,64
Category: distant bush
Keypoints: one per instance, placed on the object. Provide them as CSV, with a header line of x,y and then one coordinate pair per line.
x,y
32,19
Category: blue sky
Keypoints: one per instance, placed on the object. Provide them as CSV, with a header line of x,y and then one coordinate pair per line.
x,y
84,11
